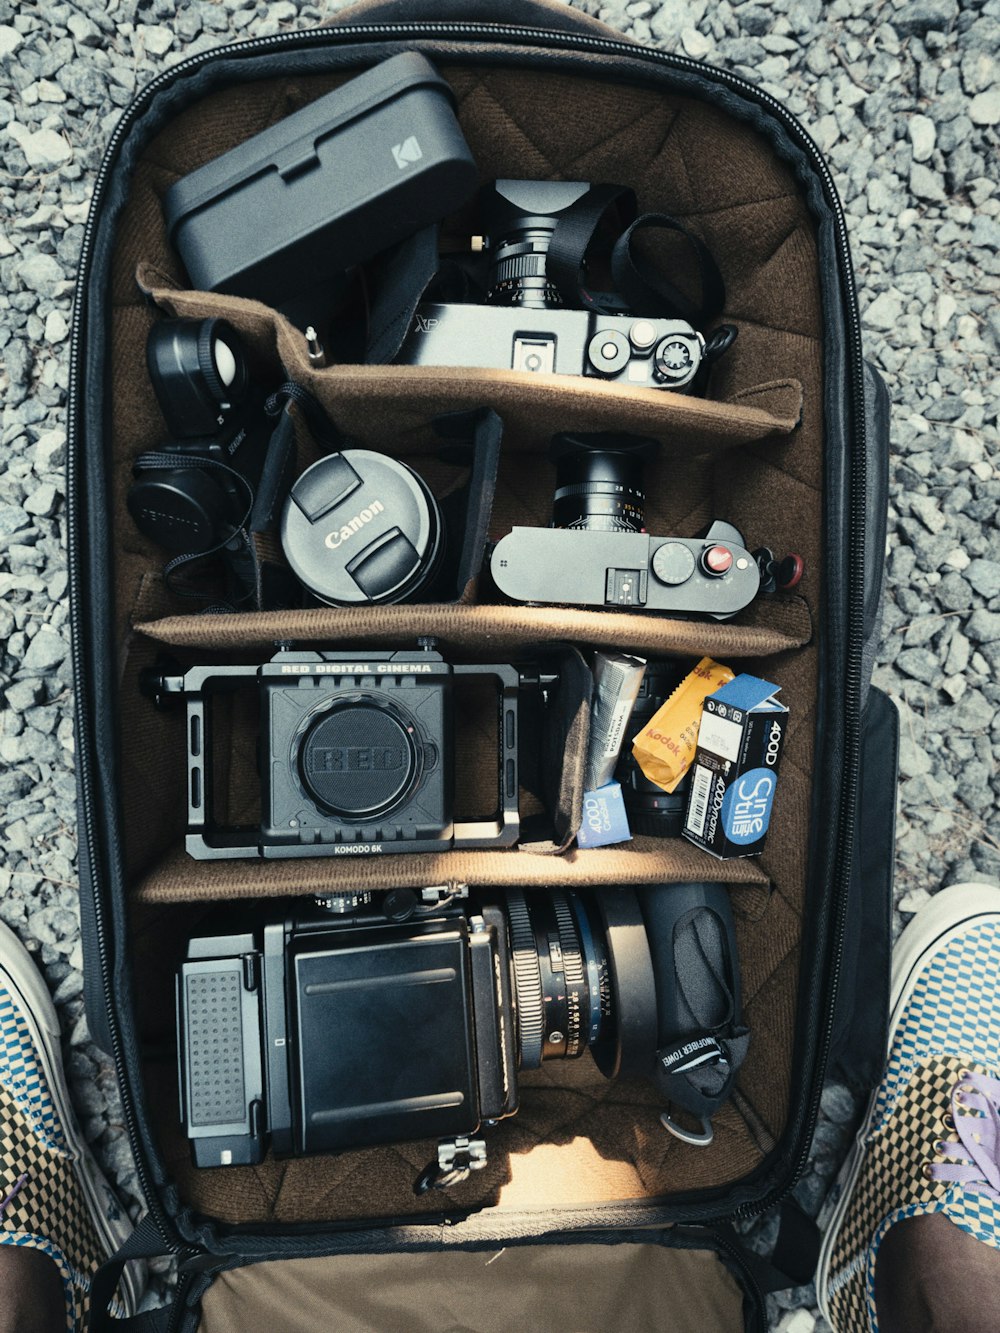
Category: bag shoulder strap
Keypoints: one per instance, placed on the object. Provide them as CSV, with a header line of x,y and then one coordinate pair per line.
x,y
145,1242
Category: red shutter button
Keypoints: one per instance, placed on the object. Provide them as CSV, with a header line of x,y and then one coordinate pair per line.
x,y
716,561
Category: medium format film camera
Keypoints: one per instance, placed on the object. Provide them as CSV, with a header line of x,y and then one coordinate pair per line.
x,y
387,1017
597,552
356,753
529,323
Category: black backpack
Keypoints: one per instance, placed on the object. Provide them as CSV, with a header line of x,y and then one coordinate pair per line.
x,y
591,1215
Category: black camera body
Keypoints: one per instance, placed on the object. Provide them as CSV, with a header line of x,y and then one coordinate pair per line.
x,y
356,754
598,553
643,353
316,1033
713,576
537,316
370,1018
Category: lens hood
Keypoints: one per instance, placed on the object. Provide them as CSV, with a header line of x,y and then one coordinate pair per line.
x,y
570,443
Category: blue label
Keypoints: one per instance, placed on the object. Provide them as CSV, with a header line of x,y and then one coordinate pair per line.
x,y
746,806
604,818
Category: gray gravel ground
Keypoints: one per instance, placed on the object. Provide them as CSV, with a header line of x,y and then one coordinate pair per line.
x,y
903,97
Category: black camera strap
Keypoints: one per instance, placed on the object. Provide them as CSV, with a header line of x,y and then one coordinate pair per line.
x,y
407,271
642,290
321,427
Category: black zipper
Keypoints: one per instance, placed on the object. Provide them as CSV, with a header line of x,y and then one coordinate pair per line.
x,y
502,35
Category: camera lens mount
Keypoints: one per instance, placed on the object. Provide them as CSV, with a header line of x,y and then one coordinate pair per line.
x,y
359,759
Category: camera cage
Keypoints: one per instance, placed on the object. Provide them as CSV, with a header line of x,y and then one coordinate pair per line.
x,y
206,839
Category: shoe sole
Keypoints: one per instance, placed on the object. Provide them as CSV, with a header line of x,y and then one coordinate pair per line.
x,y
948,911
40,1015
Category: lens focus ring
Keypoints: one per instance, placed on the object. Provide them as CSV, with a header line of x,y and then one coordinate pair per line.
x,y
527,981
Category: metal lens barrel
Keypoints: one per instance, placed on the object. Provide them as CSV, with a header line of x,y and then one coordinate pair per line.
x,y
561,977
599,481
517,271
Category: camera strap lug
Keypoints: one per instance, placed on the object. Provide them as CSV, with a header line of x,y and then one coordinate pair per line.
x,y
456,1160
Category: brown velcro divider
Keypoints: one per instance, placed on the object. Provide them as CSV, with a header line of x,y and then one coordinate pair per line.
x,y
532,406
179,878
773,625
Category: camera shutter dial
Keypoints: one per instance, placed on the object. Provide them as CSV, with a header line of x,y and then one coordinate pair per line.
x,y
677,358
673,563
359,760
360,528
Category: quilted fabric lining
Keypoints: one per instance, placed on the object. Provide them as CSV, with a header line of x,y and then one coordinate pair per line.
x,y
576,1138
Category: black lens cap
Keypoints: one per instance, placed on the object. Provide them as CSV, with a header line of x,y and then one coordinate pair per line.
x,y
361,528
178,508
358,760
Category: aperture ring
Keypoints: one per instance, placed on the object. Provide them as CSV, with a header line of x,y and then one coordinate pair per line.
x,y
577,991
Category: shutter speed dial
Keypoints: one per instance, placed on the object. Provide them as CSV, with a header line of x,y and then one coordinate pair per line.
x,y
677,358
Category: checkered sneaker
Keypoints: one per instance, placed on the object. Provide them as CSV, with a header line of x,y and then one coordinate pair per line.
x,y
44,1204
945,1048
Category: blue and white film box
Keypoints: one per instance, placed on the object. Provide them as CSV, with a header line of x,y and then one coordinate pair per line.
x,y
604,818
735,770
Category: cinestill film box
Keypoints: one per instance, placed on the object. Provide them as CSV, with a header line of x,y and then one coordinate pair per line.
x,y
735,771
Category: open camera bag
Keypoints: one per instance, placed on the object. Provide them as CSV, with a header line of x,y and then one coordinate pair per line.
x,y
590,1215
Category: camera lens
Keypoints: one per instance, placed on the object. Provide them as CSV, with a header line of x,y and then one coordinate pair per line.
x,y
520,217
517,274
583,978
561,976
199,373
360,528
599,482
358,760
652,812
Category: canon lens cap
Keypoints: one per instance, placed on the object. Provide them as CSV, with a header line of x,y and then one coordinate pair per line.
x,y
361,528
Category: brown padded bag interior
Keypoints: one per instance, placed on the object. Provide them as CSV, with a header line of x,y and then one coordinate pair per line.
x,y
597,1287
751,455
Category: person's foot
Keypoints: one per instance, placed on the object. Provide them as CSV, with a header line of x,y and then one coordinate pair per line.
x,y
930,1143
53,1197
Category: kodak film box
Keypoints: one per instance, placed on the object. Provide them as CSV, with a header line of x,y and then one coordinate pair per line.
x,y
735,770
